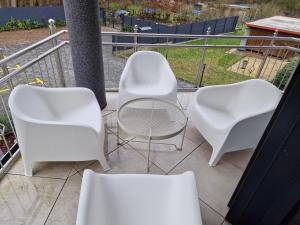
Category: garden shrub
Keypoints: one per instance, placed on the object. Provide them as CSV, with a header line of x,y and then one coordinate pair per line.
x,y
4,120
283,74
27,24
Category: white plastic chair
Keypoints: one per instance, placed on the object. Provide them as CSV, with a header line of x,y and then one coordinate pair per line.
x,y
147,74
233,117
57,124
138,199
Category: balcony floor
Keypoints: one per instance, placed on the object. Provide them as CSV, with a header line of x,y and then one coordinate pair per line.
x,y
51,196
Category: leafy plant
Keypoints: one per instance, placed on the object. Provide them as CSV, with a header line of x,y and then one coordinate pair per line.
x,y
284,74
60,23
27,24
36,24
4,120
13,24
128,28
20,24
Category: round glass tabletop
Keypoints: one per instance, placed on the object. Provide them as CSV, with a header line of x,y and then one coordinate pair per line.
x,y
151,118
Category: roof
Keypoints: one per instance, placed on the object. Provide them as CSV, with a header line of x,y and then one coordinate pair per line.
x,y
281,23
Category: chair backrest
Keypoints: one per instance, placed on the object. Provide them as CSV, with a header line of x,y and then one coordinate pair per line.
x,y
146,67
254,95
29,103
127,199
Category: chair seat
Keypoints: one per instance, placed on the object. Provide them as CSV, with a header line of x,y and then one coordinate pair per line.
x,y
83,116
216,118
149,90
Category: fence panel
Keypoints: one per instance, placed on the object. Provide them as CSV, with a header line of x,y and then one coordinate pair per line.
x,y
40,14
211,24
220,25
198,28
230,24
165,29
128,20
183,29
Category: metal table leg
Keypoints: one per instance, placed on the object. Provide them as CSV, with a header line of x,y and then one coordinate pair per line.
x,y
148,160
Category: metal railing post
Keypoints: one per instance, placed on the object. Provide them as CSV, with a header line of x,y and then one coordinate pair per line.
x,y
4,67
57,56
135,30
200,72
263,62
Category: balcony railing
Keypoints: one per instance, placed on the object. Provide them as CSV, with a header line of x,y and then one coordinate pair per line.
x,y
199,62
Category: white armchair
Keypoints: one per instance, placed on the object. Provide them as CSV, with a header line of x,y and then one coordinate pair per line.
x,y
57,124
138,199
233,117
147,74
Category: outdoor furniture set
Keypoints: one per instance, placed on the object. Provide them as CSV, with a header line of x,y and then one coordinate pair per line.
x,y
65,124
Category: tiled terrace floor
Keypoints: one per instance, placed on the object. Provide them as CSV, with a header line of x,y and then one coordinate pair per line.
x,y
51,196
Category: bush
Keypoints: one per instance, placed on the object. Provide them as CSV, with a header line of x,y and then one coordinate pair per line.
x,y
13,24
283,74
4,120
128,28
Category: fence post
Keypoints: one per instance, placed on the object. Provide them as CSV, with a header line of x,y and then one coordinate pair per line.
x,y
57,56
263,62
200,73
135,30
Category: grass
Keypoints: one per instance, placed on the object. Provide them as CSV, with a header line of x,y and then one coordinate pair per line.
x,y
185,61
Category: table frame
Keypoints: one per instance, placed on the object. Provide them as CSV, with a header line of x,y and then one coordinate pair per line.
x,y
150,138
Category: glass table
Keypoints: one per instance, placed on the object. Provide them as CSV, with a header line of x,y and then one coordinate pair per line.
x,y
151,119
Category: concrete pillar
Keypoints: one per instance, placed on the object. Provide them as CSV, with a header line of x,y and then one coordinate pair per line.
x,y
82,19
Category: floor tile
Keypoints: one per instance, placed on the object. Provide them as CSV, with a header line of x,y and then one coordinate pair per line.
x,y
65,209
165,155
193,134
112,101
226,223
110,120
44,169
81,165
184,98
215,184
209,216
109,146
126,160
27,200
239,159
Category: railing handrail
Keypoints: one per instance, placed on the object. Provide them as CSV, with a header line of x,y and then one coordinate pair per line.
x,y
30,63
200,46
198,36
51,37
31,47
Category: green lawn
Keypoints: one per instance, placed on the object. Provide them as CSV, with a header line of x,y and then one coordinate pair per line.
x,y
185,61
